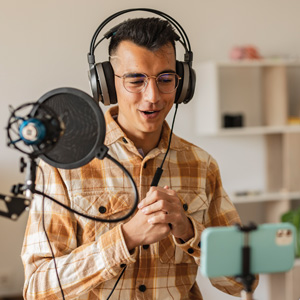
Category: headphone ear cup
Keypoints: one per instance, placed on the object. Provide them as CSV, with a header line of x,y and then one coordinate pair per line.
x,y
186,87
179,71
93,78
191,86
105,83
110,82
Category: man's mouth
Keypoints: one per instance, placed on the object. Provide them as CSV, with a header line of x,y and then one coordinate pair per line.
x,y
150,113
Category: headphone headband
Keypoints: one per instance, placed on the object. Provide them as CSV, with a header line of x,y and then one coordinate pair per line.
x,y
102,77
185,41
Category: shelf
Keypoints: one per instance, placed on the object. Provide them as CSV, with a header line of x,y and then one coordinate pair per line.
x,y
261,96
265,93
257,130
297,262
259,63
265,197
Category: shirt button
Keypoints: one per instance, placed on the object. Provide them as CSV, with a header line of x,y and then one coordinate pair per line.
x,y
145,247
102,209
124,140
190,250
185,207
142,288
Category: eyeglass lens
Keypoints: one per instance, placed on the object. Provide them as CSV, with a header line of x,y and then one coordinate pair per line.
x,y
136,82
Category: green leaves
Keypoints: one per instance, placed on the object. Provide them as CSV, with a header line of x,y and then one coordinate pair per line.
x,y
293,217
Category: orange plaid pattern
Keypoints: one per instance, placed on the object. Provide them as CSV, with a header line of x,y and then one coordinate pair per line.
x,y
90,255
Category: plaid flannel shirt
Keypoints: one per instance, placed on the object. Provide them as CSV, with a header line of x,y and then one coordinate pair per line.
x,y
90,255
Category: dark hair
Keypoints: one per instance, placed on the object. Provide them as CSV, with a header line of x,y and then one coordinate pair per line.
x,y
151,33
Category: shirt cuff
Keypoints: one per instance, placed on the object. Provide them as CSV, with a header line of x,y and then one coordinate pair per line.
x,y
114,250
192,246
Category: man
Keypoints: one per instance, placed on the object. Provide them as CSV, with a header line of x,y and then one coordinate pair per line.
x,y
159,247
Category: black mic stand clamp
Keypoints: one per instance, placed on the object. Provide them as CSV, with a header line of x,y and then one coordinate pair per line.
x,y
15,206
246,278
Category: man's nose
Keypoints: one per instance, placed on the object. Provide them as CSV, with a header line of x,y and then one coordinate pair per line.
x,y
151,93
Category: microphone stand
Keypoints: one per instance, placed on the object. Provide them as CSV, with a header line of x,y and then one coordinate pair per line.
x,y
15,206
246,278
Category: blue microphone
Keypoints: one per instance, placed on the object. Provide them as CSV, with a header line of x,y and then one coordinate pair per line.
x,y
32,131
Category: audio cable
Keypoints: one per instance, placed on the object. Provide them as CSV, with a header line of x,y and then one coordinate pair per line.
x,y
41,193
46,234
160,170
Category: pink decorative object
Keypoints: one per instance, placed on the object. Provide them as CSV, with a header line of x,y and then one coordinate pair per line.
x,y
237,53
244,52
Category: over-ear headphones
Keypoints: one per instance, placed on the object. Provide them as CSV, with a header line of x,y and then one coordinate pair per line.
x,y
101,75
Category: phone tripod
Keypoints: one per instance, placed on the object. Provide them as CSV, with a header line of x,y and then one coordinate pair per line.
x,y
246,278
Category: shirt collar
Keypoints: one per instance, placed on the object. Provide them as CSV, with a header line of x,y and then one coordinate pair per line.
x,y
115,133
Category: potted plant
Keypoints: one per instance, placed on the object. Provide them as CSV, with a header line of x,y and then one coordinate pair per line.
x,y
293,216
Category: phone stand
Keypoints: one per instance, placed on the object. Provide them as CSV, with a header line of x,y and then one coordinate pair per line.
x,y
246,278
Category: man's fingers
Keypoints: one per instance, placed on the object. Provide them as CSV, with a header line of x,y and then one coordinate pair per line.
x,y
154,195
159,205
159,218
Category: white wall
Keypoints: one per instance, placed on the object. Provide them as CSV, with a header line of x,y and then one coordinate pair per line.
x,y
44,44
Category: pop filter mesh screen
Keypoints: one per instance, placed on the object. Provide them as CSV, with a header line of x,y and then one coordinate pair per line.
x,y
81,128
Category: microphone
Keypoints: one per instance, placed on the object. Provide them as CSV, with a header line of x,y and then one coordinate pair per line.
x,y
40,129
65,127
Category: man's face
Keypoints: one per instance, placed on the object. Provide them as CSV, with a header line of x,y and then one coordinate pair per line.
x,y
143,113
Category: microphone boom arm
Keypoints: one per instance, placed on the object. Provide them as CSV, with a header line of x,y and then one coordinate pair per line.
x,y
14,206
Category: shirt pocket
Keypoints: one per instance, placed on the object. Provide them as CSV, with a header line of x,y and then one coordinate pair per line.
x,y
195,204
102,203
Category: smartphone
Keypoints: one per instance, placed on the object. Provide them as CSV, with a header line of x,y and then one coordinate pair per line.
x,y
272,249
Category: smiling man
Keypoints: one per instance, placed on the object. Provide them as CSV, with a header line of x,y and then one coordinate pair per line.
x,y
143,107
159,247
144,102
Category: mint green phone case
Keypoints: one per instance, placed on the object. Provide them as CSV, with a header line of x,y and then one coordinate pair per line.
x,y
272,250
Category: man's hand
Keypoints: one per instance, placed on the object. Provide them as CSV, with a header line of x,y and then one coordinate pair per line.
x,y
164,207
139,231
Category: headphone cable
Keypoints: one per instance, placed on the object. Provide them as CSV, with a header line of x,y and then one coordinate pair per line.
x,y
160,170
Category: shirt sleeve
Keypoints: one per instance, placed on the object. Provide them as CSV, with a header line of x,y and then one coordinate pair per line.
x,y
220,212
80,268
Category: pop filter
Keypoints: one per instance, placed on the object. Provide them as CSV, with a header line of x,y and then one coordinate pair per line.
x,y
83,128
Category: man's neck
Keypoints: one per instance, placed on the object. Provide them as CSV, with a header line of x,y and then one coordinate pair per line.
x,y
146,141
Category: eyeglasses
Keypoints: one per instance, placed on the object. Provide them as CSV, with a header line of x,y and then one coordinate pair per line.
x,y
137,82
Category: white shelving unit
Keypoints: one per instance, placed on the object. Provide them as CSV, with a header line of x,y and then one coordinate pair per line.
x,y
266,95
256,130
258,90
265,197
